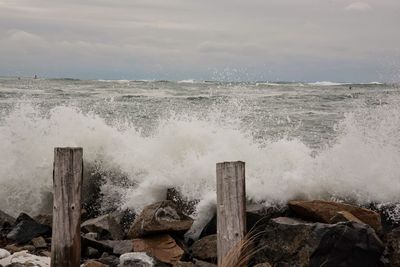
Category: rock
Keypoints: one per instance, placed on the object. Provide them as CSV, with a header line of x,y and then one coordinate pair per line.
x,y
199,263
298,243
257,215
188,207
161,247
4,253
393,247
101,246
25,259
121,246
6,220
92,235
160,217
344,216
184,264
106,226
92,253
29,248
13,248
26,229
93,263
45,253
39,242
46,219
138,259
109,260
324,211
205,248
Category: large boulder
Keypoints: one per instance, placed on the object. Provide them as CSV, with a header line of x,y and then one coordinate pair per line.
x,y
393,247
162,247
160,217
26,229
324,211
106,226
205,248
294,242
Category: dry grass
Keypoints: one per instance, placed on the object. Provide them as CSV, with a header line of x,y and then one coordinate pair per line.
x,y
242,252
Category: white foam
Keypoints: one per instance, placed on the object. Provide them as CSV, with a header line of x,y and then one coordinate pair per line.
x,y
363,164
327,83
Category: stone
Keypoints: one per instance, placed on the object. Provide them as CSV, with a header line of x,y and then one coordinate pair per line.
x,y
4,253
92,252
136,259
324,211
46,219
257,215
161,217
200,263
109,260
294,242
29,248
162,247
188,207
26,229
106,226
93,263
344,216
45,253
6,220
23,258
13,248
39,242
101,246
92,235
392,250
121,246
184,264
206,248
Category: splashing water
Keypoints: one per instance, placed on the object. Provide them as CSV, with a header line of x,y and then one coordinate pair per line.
x,y
361,163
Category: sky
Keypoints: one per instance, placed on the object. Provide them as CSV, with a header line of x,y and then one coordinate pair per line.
x,y
269,40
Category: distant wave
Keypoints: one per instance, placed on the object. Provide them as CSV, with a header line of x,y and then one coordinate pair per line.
x,y
186,81
327,83
114,81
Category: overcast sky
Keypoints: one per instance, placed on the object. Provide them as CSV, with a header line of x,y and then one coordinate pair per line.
x,y
291,40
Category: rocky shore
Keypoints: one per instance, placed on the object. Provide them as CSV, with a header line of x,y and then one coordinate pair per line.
x,y
302,233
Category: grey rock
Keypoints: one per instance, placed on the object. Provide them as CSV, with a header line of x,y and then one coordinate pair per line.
x,y
106,226
393,247
294,242
6,220
205,248
160,217
39,242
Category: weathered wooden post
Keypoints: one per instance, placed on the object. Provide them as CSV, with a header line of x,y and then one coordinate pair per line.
x,y
67,183
231,206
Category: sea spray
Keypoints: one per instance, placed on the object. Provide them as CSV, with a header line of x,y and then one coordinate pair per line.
x,y
361,164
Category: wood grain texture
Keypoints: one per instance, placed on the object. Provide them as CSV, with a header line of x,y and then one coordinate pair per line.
x,y
67,184
231,206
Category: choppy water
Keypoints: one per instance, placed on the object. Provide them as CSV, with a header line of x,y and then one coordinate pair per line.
x,y
319,140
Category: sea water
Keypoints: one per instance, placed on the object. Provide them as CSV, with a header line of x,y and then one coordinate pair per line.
x,y
299,140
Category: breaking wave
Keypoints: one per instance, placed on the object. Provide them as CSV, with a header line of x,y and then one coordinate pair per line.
x,y
362,164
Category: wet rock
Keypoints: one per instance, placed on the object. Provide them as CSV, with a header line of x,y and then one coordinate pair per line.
x,y
6,220
4,253
101,246
26,229
162,247
188,207
393,247
13,248
39,242
344,216
324,211
93,263
206,248
294,242
106,226
160,217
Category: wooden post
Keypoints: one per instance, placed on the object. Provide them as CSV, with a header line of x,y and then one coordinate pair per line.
x,y
67,183
231,206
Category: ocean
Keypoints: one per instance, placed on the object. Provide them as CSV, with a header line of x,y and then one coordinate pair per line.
x,y
299,140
